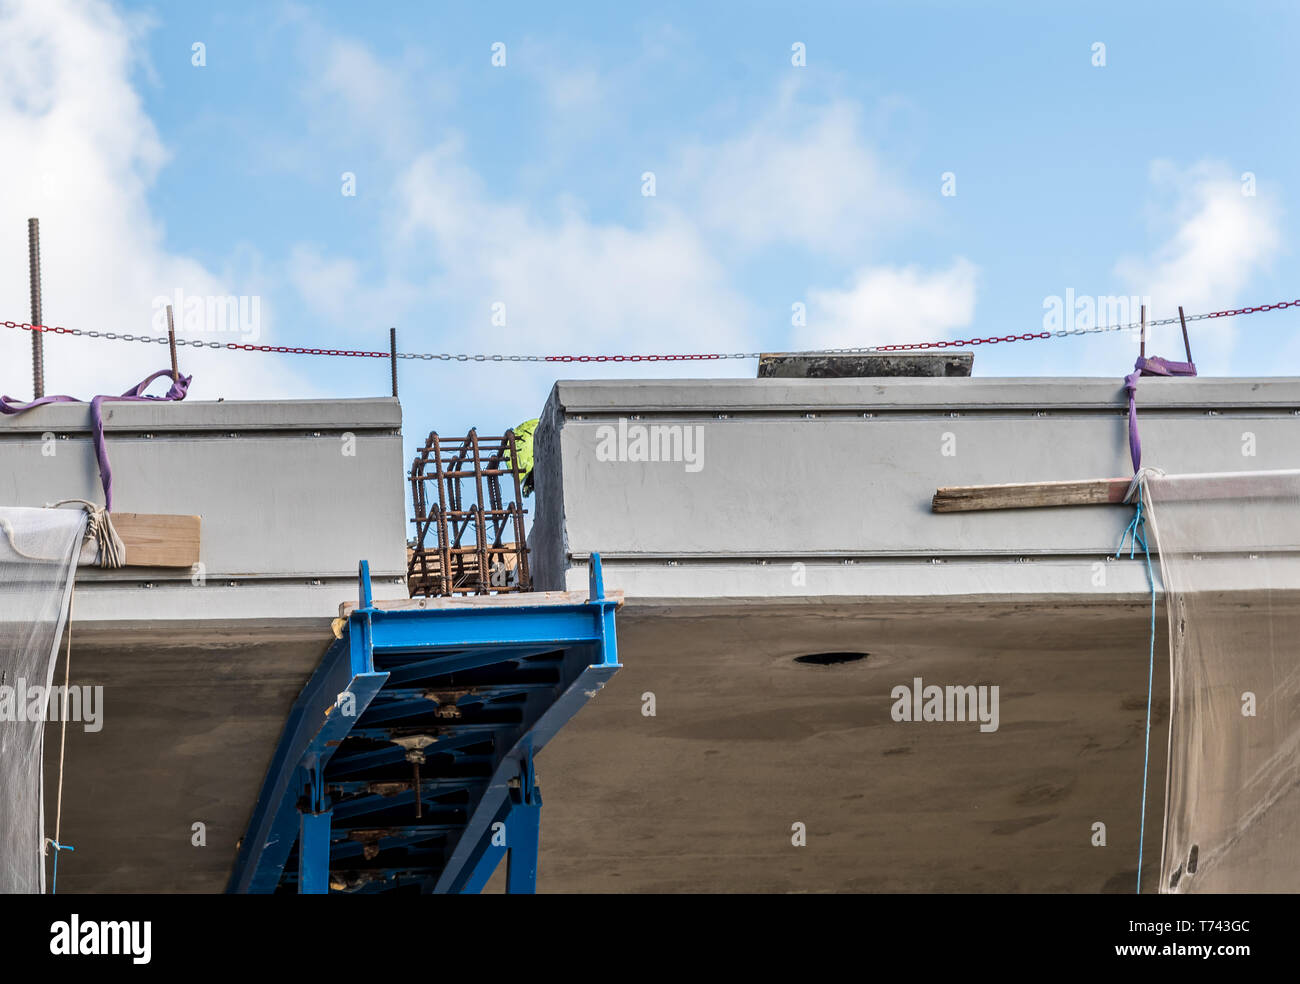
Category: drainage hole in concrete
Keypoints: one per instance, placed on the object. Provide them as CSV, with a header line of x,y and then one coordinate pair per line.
x,y
830,659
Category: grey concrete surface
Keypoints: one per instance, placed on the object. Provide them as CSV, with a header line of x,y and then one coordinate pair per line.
x,y
745,742
190,719
291,494
701,796
837,475
799,534
200,669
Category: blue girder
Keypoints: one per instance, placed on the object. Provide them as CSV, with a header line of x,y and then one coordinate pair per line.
x,y
407,761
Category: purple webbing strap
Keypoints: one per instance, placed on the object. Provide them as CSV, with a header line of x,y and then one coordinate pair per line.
x,y
180,384
1134,441
1154,366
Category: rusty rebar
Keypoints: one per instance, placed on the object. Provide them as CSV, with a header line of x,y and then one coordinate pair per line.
x,y
392,357
520,543
171,342
460,541
419,800
34,279
479,529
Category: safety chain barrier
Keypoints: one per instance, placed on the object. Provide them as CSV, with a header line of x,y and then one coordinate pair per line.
x,y
692,357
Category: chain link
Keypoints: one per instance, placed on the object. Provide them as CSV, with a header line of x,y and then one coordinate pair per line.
x,y
691,357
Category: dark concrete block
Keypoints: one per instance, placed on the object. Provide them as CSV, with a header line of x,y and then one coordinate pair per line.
x,y
865,365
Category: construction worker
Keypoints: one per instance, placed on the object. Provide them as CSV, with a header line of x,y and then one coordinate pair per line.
x,y
524,452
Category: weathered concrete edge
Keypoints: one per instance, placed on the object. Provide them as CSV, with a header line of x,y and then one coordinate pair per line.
x,y
381,413
1054,583
258,608
548,539
941,393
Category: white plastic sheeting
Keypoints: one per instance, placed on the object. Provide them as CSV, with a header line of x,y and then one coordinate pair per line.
x,y
38,555
1230,561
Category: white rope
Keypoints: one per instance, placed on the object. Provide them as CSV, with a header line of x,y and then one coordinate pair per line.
x,y
111,551
8,529
63,717
1138,479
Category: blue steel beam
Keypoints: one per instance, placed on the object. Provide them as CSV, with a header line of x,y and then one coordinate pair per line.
x,y
460,696
314,853
416,643
525,838
390,713
321,717
355,808
545,627
344,847
599,662
447,727
495,799
456,662
451,745
516,833
315,728
365,787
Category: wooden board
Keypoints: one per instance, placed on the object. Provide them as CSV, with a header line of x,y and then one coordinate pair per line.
x,y
512,599
1027,495
158,540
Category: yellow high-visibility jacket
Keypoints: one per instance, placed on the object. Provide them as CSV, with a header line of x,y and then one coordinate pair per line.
x,y
524,445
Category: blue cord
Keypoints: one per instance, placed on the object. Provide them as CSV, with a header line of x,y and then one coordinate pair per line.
x,y
54,890
1135,534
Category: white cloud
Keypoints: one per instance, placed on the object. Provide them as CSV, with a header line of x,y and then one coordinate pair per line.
x,y
83,155
326,285
886,305
800,175
565,282
1216,240
354,96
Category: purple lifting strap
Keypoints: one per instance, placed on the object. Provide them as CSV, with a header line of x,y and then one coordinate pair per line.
x,y
1154,366
135,394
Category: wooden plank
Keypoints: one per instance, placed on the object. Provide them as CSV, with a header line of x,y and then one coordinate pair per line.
x,y
158,540
1029,495
513,599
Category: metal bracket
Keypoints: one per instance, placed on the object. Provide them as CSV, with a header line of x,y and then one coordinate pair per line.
x,y
314,834
514,835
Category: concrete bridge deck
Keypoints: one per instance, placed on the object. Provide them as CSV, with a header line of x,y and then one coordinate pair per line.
x,y
807,530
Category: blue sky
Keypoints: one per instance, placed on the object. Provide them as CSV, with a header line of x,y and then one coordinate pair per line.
x,y
520,186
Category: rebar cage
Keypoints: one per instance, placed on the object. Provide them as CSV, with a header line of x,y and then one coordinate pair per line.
x,y
460,545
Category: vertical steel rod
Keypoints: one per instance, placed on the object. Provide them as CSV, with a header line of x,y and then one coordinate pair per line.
x,y
1186,344
419,800
392,356
38,336
171,341
479,529
443,529
523,579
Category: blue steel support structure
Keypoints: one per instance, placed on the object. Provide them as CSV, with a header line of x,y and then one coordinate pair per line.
x,y
407,761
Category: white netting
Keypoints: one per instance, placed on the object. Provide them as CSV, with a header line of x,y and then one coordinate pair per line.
x,y
1230,560
38,555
